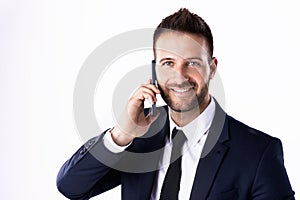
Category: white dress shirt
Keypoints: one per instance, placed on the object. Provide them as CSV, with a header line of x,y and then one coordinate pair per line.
x,y
196,133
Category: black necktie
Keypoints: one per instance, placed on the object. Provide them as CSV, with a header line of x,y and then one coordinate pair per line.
x,y
171,184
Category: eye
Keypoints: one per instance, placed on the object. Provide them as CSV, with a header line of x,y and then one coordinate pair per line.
x,y
193,63
168,64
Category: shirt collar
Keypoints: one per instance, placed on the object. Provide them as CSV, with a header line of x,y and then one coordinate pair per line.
x,y
199,126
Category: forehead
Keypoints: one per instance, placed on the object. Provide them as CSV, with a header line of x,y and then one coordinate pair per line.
x,y
181,44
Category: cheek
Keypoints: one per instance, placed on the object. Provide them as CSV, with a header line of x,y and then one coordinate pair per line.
x,y
199,76
163,75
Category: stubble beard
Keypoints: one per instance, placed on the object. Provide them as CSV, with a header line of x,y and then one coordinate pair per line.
x,y
197,102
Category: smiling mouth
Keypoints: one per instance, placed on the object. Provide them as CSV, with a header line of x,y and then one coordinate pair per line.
x,y
182,91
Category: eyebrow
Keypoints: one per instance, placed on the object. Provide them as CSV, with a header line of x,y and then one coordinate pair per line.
x,y
164,59
190,58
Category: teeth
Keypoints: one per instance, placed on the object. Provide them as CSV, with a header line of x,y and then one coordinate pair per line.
x,y
181,90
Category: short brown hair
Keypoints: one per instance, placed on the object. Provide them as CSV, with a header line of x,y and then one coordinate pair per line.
x,y
185,21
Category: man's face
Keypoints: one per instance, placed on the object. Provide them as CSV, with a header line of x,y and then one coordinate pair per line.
x,y
183,70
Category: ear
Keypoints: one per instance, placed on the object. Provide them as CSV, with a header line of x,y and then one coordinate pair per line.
x,y
213,67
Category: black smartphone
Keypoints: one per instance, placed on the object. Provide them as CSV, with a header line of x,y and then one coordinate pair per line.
x,y
153,81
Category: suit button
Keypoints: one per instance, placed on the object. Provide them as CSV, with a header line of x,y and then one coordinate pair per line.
x,y
82,151
92,141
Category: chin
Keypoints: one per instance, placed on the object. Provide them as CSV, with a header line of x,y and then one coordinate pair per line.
x,y
193,105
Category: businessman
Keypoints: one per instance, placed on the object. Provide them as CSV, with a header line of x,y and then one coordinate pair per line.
x,y
191,149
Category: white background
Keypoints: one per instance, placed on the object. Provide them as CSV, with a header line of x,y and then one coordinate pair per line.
x,y
44,43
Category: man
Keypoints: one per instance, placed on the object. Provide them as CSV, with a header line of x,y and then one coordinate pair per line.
x,y
191,149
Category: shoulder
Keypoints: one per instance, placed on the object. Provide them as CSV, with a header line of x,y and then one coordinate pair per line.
x,y
249,145
249,137
258,158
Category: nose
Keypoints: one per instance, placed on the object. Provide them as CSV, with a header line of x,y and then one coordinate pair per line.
x,y
181,69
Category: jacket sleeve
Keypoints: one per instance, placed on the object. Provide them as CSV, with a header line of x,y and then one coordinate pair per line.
x,y
89,171
271,180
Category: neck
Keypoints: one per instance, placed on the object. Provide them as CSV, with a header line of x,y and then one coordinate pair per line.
x,y
183,118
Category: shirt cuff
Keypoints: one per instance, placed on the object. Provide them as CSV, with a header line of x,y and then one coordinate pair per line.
x,y
111,145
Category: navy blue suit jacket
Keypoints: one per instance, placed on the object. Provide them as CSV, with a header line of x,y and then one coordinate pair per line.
x,y
243,163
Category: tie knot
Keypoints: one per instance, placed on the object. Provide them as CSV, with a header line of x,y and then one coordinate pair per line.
x,y
178,137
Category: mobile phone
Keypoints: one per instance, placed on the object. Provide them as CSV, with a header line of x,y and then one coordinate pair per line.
x,y
153,81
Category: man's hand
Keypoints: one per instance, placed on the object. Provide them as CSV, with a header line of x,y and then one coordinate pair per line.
x,y
133,123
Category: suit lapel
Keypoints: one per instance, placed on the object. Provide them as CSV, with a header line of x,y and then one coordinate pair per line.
x,y
206,172
212,155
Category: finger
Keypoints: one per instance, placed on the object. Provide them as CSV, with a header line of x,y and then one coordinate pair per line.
x,y
151,87
144,94
149,97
